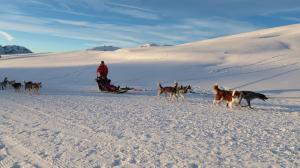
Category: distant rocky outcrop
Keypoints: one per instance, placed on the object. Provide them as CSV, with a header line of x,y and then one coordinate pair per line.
x,y
104,48
13,49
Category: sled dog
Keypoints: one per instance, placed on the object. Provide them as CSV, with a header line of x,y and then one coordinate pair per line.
x,y
10,83
36,87
4,83
230,97
17,86
249,95
27,85
167,90
182,90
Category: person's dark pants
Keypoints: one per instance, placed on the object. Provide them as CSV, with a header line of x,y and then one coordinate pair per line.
x,y
102,82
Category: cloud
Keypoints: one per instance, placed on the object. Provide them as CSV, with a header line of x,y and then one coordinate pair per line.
x,y
294,19
130,7
126,35
281,10
92,8
220,26
104,33
70,22
6,36
133,11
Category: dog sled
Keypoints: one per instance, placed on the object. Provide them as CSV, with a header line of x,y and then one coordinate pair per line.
x,y
105,86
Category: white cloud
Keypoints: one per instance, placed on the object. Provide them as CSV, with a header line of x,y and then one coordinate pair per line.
x,y
135,13
70,22
132,11
95,7
281,10
129,6
125,35
6,36
295,19
221,25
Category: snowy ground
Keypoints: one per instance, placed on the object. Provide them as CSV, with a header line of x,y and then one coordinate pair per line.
x,y
137,130
72,125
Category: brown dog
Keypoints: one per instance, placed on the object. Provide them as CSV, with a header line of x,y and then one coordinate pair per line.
x,y
168,90
230,97
36,87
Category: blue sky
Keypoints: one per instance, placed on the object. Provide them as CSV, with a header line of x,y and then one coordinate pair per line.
x,y
67,25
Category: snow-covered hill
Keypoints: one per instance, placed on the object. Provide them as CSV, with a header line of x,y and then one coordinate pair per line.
x,y
104,48
71,124
265,60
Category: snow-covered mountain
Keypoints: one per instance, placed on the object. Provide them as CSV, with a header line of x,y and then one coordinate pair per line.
x,y
149,45
71,124
13,49
104,48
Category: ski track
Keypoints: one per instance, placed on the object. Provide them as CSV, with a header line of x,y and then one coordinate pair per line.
x,y
144,131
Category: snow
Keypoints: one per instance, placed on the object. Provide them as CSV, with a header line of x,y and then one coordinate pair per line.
x,y
72,125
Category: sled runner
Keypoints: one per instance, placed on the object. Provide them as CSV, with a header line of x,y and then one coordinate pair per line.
x,y
115,92
105,85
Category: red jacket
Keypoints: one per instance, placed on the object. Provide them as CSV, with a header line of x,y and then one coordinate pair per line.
x,y
102,70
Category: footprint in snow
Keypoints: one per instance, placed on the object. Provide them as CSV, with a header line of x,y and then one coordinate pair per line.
x,y
193,165
116,162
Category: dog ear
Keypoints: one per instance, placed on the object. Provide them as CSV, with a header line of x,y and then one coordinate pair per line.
x,y
159,85
216,86
175,83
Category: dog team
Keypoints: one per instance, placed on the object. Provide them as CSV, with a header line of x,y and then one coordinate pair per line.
x,y
174,91
29,87
230,97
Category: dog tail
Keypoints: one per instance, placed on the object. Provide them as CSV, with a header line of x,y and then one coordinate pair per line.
x,y
263,97
233,93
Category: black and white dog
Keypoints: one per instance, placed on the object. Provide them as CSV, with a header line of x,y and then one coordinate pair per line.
x,y
238,96
4,83
182,90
